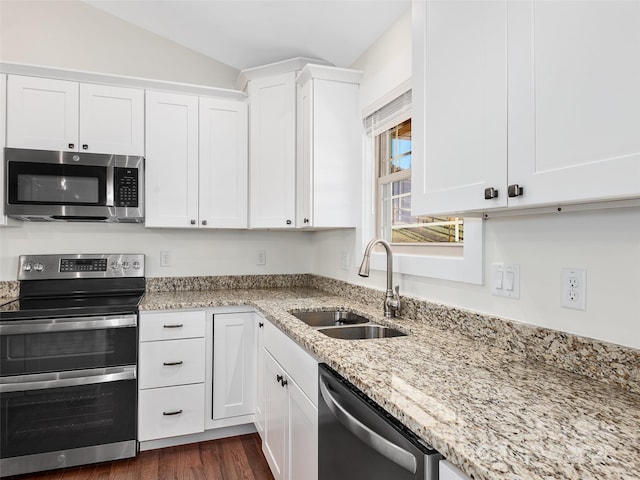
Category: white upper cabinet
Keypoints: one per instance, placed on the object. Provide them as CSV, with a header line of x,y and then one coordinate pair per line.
x,y
272,114
329,141
562,78
223,163
574,100
111,119
459,105
172,160
196,162
42,113
48,114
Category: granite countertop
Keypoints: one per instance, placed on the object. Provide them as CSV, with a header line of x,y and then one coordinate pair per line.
x,y
495,414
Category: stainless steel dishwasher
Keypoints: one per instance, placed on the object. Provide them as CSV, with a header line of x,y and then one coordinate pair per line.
x,y
358,440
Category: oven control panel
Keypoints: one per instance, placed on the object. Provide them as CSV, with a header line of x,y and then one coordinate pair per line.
x,y
48,267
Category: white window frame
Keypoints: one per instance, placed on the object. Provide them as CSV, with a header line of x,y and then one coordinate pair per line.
x,y
467,268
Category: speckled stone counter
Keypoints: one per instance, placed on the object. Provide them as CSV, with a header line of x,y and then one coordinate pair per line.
x,y
494,412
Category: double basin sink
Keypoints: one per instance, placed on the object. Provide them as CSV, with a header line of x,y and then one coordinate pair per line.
x,y
346,325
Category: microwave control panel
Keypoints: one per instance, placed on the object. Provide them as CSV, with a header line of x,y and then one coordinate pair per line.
x,y
125,187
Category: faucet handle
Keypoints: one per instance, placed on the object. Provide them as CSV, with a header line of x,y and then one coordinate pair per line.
x,y
393,304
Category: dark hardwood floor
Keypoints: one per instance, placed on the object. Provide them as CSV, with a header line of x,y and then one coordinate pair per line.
x,y
234,458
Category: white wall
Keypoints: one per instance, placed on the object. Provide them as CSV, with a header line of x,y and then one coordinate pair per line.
x,y
73,35
606,243
193,252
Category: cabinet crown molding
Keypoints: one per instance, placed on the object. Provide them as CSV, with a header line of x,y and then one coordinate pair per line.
x,y
284,66
324,72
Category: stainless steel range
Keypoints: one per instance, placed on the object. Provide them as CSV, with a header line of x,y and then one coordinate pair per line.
x,y
68,350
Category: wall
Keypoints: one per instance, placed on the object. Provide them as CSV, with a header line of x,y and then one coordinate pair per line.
x,y
606,243
76,36
192,252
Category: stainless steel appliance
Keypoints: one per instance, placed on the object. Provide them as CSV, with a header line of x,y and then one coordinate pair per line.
x,y
358,440
68,350
66,186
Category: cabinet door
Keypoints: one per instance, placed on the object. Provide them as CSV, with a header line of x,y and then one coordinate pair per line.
x,y
111,119
223,163
574,100
459,105
260,375
329,152
42,113
274,444
449,472
172,160
302,427
234,371
272,148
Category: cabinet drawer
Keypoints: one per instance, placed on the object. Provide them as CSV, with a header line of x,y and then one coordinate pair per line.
x,y
171,325
174,362
297,362
171,411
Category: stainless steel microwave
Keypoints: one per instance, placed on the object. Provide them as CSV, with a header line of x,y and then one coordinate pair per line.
x,y
72,186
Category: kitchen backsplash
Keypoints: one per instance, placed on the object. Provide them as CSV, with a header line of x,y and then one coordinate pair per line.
x,y
9,289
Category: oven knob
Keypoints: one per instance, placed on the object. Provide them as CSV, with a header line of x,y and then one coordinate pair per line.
x,y
27,267
125,265
136,265
38,267
115,265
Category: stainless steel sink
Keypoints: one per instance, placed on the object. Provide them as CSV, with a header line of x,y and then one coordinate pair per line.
x,y
362,332
329,318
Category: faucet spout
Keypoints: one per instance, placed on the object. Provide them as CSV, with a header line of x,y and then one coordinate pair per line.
x,y
392,299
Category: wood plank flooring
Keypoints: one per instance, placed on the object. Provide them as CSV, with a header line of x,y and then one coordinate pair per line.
x,y
234,458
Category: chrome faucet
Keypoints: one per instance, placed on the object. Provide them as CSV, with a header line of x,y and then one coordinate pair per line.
x,y
391,299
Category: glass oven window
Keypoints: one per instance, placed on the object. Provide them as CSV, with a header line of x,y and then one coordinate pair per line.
x,y
38,421
24,354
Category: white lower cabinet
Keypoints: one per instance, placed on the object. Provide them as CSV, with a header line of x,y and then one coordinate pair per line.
x,y
290,412
234,372
171,366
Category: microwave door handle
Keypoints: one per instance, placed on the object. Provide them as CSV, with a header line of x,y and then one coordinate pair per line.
x,y
384,447
110,184
66,379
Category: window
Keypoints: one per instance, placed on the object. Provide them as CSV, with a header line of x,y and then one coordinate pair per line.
x,y
394,220
388,129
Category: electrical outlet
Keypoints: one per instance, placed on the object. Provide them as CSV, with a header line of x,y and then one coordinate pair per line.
x,y
261,257
574,288
344,261
165,258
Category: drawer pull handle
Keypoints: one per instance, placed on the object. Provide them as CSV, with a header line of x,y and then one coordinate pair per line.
x,y
175,412
177,325
169,364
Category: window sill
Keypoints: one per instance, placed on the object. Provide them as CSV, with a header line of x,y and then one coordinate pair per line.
x,y
469,268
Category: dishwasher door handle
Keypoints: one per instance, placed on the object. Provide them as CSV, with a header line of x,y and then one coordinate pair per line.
x,y
384,447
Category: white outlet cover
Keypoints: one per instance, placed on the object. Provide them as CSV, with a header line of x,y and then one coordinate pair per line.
x,y
574,288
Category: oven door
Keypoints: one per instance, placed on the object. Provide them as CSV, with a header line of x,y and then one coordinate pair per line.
x,y
59,344
69,418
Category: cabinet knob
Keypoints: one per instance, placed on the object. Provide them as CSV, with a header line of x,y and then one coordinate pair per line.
x,y
204,222
261,324
85,146
490,193
279,378
288,222
306,220
283,382
193,222
72,145
515,190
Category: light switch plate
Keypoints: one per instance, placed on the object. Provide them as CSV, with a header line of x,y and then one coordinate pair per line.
x,y
506,280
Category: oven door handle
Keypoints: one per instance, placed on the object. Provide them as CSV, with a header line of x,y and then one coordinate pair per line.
x,y
384,447
47,325
44,381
